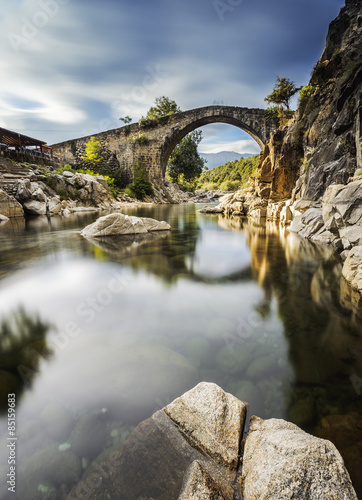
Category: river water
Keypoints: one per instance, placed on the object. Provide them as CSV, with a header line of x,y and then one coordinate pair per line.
x,y
97,335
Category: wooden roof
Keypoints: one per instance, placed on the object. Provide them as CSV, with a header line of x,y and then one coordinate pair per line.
x,y
13,139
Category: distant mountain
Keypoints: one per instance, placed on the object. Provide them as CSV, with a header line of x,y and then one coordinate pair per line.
x,y
217,159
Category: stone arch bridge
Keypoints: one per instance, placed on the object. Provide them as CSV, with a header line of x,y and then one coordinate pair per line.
x,y
153,141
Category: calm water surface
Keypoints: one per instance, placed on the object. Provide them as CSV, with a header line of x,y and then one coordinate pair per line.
x,y
98,335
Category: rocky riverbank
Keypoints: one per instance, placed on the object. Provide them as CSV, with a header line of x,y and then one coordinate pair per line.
x,y
30,191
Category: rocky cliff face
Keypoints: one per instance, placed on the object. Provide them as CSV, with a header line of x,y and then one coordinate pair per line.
x,y
322,144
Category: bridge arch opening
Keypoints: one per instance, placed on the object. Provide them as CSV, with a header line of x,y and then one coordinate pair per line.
x,y
178,134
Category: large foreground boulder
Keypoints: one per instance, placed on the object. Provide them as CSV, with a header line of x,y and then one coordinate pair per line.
x,y
117,224
281,462
190,450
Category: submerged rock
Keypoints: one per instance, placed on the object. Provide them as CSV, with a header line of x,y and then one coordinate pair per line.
x,y
117,224
281,462
211,210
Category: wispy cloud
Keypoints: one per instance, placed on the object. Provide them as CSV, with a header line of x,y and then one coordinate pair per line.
x,y
70,66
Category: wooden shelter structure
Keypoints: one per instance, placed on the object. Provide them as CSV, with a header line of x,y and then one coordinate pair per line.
x,y
19,141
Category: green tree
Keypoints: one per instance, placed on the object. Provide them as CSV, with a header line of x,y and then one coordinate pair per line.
x,y
126,119
93,152
283,91
141,185
163,106
185,160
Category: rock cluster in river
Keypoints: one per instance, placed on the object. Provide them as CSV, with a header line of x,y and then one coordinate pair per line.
x,y
191,450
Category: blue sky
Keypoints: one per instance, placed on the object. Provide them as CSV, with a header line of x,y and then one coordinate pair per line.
x,y
72,67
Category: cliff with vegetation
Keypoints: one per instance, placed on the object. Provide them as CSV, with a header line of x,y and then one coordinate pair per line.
x,y
322,144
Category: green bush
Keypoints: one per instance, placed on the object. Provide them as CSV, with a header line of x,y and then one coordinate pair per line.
x,y
321,72
163,120
305,95
129,192
65,168
186,185
62,193
230,186
337,55
210,186
141,185
148,122
141,139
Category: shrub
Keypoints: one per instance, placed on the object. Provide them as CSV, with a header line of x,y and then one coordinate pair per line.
x,y
320,71
186,185
210,186
304,96
337,55
230,186
65,168
141,185
127,130
62,193
147,122
163,120
141,139
129,192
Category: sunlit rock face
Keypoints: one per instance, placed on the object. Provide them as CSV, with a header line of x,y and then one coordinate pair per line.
x,y
282,461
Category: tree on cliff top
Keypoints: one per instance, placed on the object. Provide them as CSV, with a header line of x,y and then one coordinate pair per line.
x,y
163,106
283,91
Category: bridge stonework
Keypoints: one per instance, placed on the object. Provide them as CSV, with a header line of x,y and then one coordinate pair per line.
x,y
152,144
